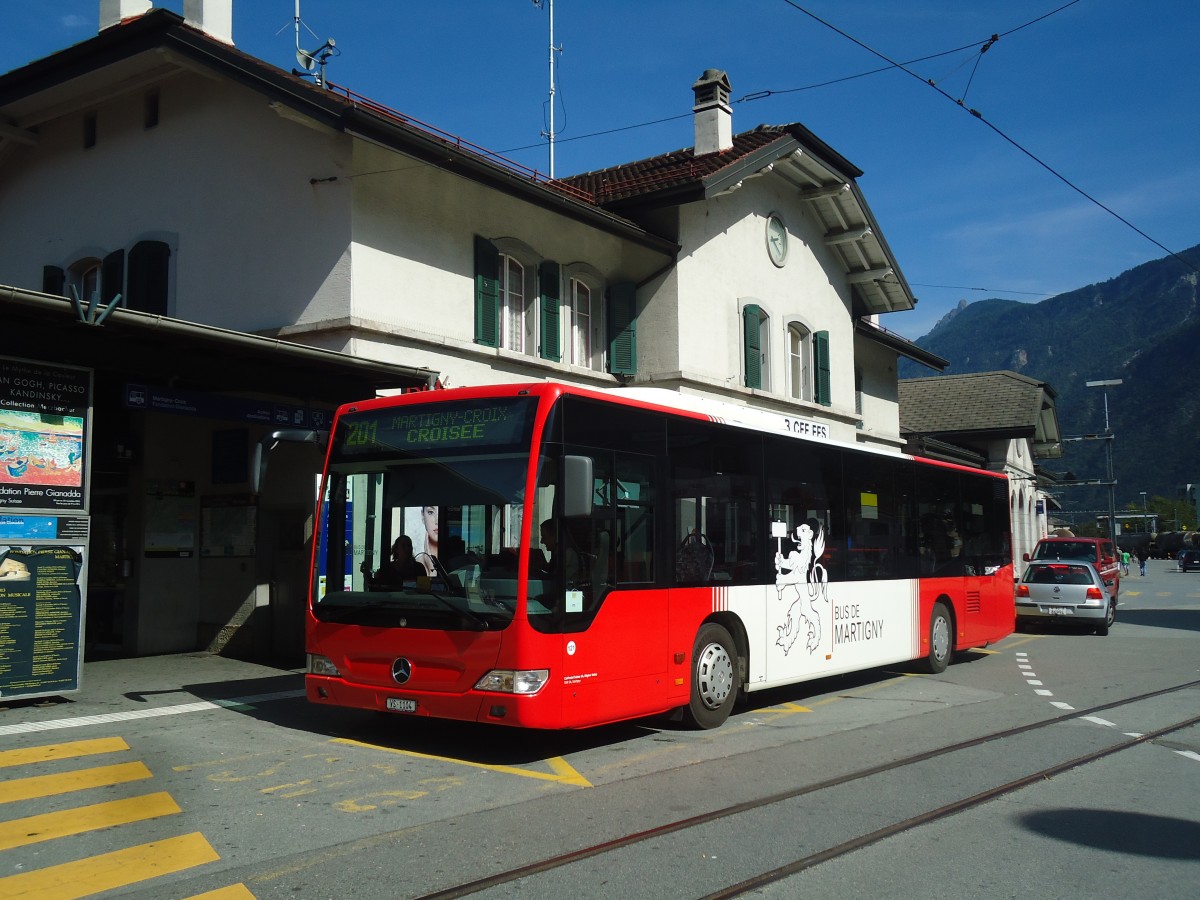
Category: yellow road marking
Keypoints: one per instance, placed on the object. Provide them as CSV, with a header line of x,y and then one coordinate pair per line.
x,y
65,782
108,871
788,707
233,892
1016,640
384,798
567,773
563,771
69,750
48,826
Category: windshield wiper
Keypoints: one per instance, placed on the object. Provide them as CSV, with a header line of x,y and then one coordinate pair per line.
x,y
461,610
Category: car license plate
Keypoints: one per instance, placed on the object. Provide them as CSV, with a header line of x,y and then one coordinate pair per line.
x,y
399,704
1058,610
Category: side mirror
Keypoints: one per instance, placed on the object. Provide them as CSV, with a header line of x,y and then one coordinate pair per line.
x,y
577,486
1025,557
258,471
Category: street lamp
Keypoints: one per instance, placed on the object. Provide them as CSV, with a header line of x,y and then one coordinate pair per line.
x,y
1145,513
1108,439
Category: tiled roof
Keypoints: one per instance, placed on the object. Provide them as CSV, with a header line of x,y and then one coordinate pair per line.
x,y
676,169
983,402
821,177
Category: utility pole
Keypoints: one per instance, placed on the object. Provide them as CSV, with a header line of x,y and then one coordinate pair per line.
x,y
1108,443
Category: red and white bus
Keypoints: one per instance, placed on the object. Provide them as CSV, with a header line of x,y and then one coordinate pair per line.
x,y
590,556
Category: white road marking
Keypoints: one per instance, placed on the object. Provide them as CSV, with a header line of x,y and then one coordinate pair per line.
x,y
107,718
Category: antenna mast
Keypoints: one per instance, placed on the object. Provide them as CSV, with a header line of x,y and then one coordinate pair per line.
x,y
309,60
549,135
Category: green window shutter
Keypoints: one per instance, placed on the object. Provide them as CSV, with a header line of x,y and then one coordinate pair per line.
x,y
548,283
53,281
112,276
822,392
622,328
751,317
149,271
487,293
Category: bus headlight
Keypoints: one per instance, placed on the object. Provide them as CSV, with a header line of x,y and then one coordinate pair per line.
x,y
508,681
322,665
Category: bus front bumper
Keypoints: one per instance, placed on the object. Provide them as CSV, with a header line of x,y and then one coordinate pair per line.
x,y
535,711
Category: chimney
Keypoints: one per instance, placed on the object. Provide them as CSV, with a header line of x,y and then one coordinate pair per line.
x,y
713,114
213,17
113,12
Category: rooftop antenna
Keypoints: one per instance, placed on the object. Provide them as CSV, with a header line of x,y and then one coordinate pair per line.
x,y
312,60
550,134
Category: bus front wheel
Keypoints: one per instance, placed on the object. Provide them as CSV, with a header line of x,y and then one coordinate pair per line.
x,y
941,640
714,688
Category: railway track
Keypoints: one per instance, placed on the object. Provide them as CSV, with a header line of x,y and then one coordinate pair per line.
x,y
923,792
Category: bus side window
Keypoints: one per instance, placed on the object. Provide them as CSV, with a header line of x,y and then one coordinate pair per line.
x,y
716,478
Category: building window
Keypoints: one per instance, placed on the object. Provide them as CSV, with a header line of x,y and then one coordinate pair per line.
x,y
800,375
512,304
756,334
83,280
586,319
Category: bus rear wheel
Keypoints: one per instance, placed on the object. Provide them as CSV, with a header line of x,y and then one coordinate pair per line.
x,y
941,640
714,686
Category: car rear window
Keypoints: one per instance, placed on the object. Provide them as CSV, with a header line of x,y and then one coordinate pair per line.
x,y
1066,550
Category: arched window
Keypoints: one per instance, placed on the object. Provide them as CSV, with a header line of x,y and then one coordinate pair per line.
x,y
84,280
512,303
585,326
800,375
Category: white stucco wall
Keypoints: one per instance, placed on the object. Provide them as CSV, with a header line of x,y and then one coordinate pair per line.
x,y
723,266
222,178
413,243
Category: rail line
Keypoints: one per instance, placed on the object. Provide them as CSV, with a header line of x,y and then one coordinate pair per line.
x,y
799,865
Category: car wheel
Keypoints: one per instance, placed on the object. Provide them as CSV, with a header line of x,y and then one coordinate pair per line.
x,y
714,679
941,640
1110,616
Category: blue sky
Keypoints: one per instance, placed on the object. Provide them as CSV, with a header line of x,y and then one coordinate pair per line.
x,y
1102,91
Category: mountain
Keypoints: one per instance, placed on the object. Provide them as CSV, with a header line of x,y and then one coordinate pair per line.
x,y
1142,327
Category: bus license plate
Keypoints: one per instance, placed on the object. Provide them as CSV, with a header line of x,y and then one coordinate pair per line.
x,y
1058,610
399,704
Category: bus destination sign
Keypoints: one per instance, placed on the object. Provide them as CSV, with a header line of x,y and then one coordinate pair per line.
x,y
493,424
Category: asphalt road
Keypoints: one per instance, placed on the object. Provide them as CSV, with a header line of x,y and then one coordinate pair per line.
x,y
179,776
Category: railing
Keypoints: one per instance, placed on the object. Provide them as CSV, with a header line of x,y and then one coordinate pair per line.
x,y
458,143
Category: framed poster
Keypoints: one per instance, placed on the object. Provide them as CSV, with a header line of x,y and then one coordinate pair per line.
x,y
41,619
45,428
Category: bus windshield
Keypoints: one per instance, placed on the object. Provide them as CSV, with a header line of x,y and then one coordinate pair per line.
x,y
421,520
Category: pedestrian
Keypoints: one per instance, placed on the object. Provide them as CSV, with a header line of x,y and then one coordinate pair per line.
x,y
1142,554
1124,562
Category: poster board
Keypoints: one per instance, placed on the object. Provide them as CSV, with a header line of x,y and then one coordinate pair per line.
x,y
42,589
227,527
45,476
45,435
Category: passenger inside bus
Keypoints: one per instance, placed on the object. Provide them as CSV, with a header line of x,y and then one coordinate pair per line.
x,y
395,571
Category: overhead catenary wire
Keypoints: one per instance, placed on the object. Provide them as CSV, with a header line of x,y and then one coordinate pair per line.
x,y
995,129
